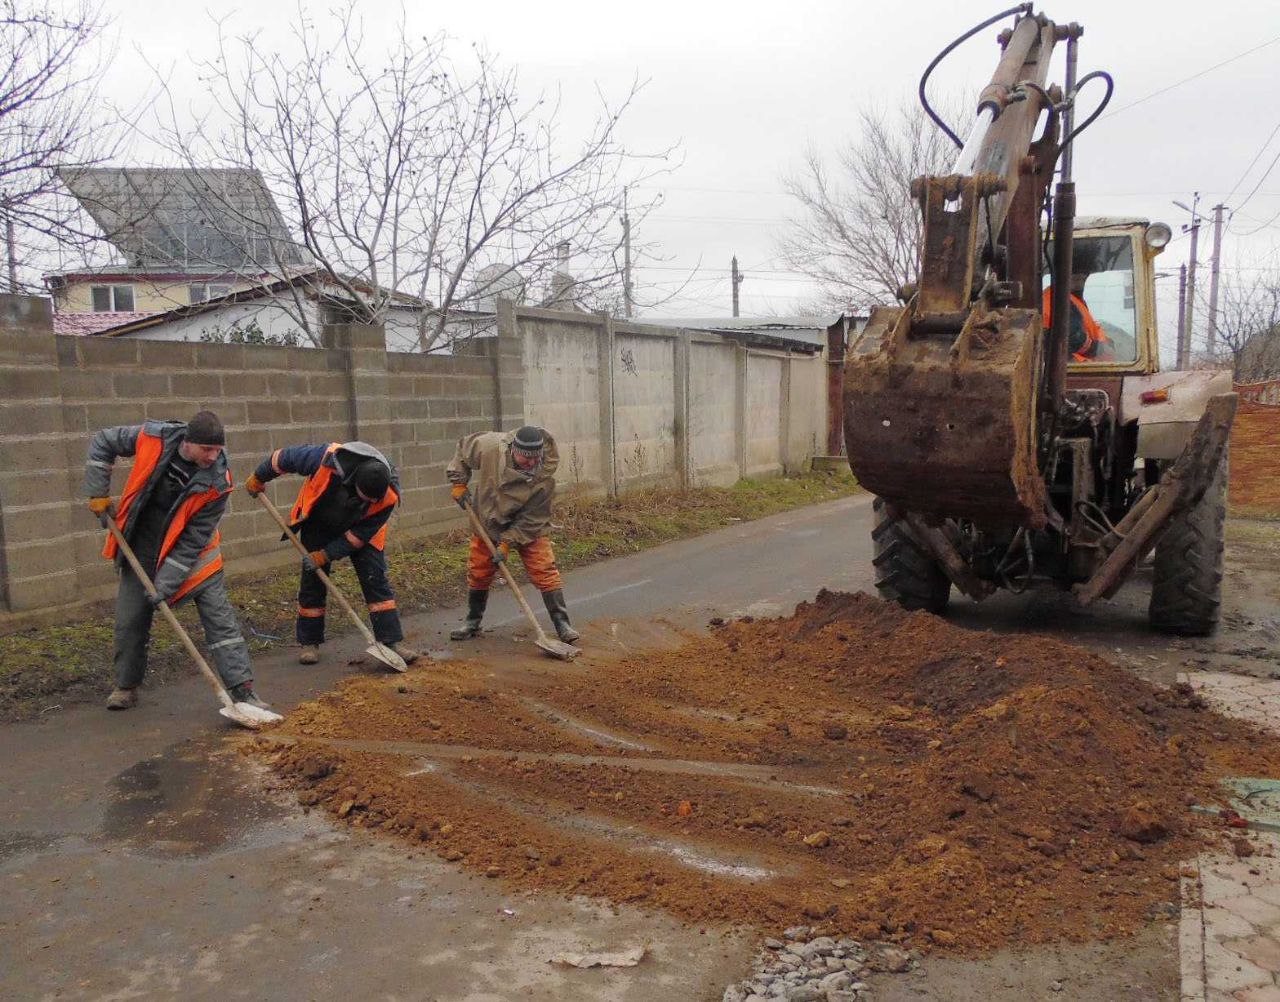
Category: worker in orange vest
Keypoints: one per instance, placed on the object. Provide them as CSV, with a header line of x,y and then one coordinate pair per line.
x,y
341,511
169,513
1086,340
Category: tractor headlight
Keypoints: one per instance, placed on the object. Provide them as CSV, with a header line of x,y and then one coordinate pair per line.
x,y
1157,235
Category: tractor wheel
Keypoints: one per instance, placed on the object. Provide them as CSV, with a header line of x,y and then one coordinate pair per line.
x,y
904,573
1186,591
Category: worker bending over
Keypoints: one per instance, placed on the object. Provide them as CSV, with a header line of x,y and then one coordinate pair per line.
x,y
509,479
341,511
169,513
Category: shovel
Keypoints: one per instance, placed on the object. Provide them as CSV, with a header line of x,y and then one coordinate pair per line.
x,y
376,650
556,648
244,714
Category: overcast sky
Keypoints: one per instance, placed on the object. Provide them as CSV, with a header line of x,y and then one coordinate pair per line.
x,y
744,88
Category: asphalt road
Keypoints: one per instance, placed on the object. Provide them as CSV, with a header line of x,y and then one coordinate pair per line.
x,y
141,856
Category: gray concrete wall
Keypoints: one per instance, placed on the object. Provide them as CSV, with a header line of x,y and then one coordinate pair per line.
x,y
687,409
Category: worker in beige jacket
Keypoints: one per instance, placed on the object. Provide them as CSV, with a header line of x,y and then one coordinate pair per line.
x,y
509,479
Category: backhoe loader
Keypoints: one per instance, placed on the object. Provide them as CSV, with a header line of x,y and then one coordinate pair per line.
x,y
1009,413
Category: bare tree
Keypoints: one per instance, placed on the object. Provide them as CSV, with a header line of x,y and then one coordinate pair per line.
x,y
1247,337
50,119
857,231
413,179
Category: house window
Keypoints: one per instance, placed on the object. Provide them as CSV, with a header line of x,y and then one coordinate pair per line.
x,y
112,298
202,292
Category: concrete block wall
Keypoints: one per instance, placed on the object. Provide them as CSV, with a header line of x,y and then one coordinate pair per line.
x,y
56,391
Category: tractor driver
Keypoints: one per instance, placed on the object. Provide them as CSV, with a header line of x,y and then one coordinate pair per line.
x,y
1086,341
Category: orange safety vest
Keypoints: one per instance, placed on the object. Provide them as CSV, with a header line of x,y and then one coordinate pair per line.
x,y
149,450
1093,334
316,484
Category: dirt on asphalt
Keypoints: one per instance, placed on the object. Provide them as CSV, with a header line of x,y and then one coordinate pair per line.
x,y
854,767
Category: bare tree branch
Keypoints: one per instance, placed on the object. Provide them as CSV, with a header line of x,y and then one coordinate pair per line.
x,y
856,230
51,119
413,178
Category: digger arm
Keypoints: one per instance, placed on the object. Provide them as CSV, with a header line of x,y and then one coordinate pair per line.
x,y
963,211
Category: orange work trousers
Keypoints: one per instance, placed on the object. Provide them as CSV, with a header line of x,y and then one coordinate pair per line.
x,y
538,557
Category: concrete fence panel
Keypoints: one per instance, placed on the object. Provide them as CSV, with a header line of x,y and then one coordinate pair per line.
x,y
764,420
644,410
712,367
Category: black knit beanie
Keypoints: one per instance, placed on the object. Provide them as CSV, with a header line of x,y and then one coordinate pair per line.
x,y
372,479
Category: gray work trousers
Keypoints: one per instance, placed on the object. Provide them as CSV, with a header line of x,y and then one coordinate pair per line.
x,y
223,639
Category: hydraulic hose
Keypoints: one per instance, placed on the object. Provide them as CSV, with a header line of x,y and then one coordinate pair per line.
x,y
1022,8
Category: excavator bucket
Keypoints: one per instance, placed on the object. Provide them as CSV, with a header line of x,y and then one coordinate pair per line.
x,y
945,425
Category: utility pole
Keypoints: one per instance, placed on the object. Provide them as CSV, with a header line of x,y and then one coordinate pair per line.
x,y
737,279
1182,315
626,258
1184,346
1213,279
12,252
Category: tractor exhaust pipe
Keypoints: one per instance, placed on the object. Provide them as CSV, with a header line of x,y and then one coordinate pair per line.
x,y
1064,219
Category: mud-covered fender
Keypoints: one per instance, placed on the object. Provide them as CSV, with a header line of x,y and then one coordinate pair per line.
x,y
1165,426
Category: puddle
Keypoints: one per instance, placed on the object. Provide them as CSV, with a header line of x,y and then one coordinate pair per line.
x,y
194,799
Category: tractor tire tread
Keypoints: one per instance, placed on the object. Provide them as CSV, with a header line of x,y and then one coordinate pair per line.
x,y
903,573
1186,589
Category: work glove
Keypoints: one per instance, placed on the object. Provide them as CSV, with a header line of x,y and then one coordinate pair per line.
x,y
314,560
460,495
156,600
504,551
254,486
102,507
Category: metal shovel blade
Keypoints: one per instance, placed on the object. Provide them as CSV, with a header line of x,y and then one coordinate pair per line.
x,y
387,656
250,716
558,648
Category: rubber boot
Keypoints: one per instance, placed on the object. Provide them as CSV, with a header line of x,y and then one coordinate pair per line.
x,y
407,653
243,693
559,614
122,699
477,599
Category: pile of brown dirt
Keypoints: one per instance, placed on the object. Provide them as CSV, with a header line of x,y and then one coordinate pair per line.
x,y
870,771
1255,459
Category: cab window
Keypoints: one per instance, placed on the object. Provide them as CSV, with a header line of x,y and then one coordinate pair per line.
x,y
1102,278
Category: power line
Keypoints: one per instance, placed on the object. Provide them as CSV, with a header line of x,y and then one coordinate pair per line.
x,y
1184,80
1270,167
1257,156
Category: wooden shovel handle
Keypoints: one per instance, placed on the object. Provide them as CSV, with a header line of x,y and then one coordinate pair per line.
x,y
187,642
334,590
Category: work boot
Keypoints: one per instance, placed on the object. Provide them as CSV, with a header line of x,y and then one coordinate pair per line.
x,y
406,652
309,655
122,699
559,614
477,599
243,693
